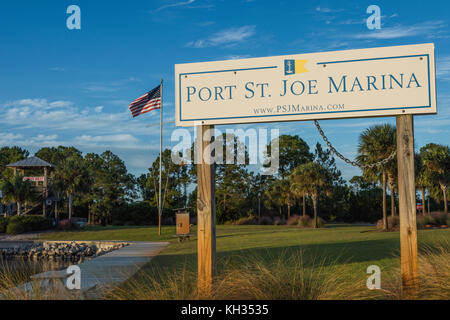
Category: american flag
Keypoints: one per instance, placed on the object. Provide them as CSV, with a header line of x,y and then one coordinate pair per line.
x,y
146,103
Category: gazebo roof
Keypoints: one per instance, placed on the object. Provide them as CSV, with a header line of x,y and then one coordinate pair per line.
x,y
32,162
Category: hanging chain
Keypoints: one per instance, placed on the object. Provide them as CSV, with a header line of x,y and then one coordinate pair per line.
x,y
353,163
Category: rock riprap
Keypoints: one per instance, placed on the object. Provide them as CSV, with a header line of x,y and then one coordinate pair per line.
x,y
62,250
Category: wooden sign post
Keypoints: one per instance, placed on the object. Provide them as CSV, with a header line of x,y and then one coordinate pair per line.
x,y
407,206
206,211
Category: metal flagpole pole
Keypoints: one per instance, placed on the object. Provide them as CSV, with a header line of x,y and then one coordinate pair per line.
x,y
160,160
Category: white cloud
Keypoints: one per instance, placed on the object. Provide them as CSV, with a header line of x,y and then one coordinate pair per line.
x,y
39,140
176,4
36,123
352,21
119,138
205,23
57,69
227,37
57,116
43,137
60,104
443,68
327,10
429,29
9,138
40,103
109,86
237,57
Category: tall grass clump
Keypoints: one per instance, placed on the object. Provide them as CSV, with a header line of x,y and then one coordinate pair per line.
x,y
434,274
292,276
15,283
286,276
157,284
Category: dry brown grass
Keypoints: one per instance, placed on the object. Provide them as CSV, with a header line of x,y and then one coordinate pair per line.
x,y
292,277
252,278
15,283
434,275
285,276
157,284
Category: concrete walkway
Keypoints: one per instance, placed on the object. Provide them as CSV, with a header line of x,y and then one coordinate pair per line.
x,y
117,266
112,268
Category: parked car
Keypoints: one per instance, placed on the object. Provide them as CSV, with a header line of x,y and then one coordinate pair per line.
x,y
81,222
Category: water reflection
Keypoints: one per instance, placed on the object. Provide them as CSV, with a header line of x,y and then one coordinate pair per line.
x,y
19,270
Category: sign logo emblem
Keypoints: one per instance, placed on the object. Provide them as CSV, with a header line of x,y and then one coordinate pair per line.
x,y
294,66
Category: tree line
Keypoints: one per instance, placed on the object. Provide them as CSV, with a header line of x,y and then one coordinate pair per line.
x,y
100,188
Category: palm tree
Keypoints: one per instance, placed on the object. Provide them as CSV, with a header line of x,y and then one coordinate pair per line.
x,y
299,190
274,197
58,188
287,195
392,176
375,144
421,178
73,175
436,160
314,179
17,190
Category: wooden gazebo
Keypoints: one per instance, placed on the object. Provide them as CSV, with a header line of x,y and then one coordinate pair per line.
x,y
35,163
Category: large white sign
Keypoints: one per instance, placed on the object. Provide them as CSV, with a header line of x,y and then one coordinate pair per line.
x,y
342,84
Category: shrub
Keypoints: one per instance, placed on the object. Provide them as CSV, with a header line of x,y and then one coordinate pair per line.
x,y
265,221
279,222
3,224
16,225
436,219
308,222
423,221
245,221
304,222
140,214
394,223
293,220
379,225
439,218
320,223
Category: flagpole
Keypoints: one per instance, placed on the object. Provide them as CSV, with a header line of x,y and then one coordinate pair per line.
x,y
160,160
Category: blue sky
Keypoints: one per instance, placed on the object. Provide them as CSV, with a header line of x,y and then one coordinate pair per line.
x,y
73,87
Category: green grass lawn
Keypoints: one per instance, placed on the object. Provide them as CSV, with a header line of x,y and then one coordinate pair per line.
x,y
356,247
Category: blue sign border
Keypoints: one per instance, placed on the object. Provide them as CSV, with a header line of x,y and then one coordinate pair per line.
x,y
319,63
